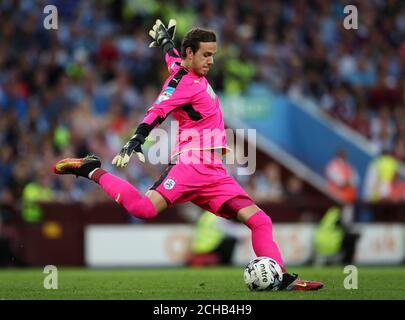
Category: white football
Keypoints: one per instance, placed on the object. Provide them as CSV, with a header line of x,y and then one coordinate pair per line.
x,y
263,274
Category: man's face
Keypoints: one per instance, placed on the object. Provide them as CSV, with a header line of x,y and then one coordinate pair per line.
x,y
203,59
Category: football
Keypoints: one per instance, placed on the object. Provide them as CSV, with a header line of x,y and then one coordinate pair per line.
x,y
263,274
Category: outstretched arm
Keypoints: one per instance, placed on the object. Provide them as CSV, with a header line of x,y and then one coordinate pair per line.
x,y
164,38
169,99
174,95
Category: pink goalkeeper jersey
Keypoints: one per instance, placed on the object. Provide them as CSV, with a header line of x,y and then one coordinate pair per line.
x,y
194,104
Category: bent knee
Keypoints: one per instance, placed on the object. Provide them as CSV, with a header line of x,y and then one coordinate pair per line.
x,y
245,213
143,209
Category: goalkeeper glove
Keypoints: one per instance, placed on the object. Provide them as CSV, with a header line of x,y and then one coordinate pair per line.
x,y
133,145
163,37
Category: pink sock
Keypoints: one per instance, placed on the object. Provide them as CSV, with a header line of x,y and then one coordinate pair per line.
x,y
126,195
262,237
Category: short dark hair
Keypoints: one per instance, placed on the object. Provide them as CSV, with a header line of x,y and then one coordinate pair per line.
x,y
193,38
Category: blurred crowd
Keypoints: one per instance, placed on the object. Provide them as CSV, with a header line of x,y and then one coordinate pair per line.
x,y
269,185
84,88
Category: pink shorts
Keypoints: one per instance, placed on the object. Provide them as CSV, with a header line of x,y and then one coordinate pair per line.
x,y
207,185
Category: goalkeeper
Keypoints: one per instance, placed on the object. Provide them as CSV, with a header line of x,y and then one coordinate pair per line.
x,y
196,173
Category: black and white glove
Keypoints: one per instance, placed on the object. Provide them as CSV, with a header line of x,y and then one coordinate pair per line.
x,y
163,37
133,145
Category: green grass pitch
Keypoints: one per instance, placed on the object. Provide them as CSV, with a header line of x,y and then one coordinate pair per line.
x,y
195,284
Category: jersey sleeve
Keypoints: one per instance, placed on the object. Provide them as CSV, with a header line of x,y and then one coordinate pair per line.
x,y
174,95
172,58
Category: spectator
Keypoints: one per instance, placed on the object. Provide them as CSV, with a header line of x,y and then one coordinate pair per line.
x,y
335,242
268,185
294,190
213,241
360,121
399,149
383,130
380,176
342,178
340,104
35,192
397,194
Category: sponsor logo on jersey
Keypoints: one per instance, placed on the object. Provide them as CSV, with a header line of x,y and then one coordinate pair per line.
x,y
169,184
211,92
166,94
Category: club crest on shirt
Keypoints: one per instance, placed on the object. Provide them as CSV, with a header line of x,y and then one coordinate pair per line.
x,y
211,92
169,184
164,96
